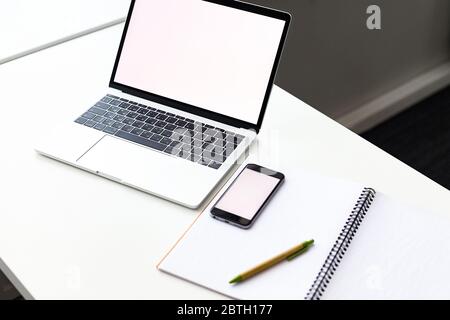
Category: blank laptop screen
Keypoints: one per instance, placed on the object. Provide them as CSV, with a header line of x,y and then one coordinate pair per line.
x,y
201,53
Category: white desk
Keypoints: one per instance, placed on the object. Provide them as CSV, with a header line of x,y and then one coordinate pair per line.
x,y
29,25
69,234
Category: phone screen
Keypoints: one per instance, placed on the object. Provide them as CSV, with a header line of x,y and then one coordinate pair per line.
x,y
247,194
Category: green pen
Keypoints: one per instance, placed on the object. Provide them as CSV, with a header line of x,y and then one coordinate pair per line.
x,y
288,255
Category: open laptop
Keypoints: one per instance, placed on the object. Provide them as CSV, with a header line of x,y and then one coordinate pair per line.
x,y
186,98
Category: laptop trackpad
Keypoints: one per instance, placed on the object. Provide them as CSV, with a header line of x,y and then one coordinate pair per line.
x,y
122,159
145,168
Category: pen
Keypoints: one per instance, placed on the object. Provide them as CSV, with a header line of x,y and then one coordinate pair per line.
x,y
288,255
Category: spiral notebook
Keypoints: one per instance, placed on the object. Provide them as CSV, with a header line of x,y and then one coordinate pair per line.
x,y
384,263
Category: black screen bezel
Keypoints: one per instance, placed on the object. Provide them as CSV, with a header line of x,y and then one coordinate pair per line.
x,y
196,110
237,220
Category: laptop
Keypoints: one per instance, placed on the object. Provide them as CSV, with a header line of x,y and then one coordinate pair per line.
x,y
186,98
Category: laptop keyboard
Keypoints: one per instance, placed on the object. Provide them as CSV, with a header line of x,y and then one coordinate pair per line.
x,y
162,131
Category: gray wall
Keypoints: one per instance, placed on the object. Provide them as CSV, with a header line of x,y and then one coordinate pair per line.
x,y
335,64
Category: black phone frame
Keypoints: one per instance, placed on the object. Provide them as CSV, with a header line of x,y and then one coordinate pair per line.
x,y
236,220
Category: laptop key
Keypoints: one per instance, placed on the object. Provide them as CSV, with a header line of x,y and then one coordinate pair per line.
x,y
194,158
239,138
150,121
123,112
81,120
214,133
166,141
170,127
112,96
88,115
133,108
132,115
181,123
106,100
234,140
90,123
205,162
141,118
184,154
118,125
109,115
214,165
152,114
161,117
209,147
198,136
97,111
190,126
157,130
138,124
197,151
143,111
171,120
169,150
98,119
167,133
110,130
100,127
124,105
102,105
160,124
137,131
173,151
119,118
220,135
230,146
127,128
128,121
156,137
180,131
115,102
108,122
114,109
140,140
221,143
147,127
146,134
190,133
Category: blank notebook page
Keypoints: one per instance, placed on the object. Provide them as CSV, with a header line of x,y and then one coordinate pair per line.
x,y
399,252
307,206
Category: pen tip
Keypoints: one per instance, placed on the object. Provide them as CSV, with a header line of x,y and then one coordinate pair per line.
x,y
236,280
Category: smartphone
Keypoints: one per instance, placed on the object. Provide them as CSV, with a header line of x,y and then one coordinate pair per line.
x,y
243,201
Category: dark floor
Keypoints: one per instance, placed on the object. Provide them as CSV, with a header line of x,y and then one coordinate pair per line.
x,y
420,137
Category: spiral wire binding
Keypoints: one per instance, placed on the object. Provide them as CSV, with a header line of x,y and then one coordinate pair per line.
x,y
342,243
